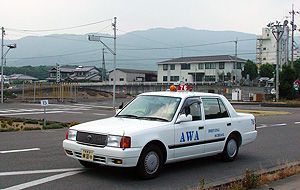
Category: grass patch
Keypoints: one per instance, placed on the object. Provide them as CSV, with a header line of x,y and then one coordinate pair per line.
x,y
263,112
252,179
21,124
54,126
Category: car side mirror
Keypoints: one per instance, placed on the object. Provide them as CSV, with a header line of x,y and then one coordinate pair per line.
x,y
184,118
118,111
121,106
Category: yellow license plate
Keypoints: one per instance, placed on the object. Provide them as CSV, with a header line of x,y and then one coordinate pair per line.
x,y
87,155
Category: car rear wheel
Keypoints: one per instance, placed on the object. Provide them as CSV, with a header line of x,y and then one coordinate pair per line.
x,y
231,149
88,164
150,162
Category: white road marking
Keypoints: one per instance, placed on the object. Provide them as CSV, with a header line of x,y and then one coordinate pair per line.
x,y
20,150
39,171
298,122
43,180
281,124
29,113
262,126
99,114
274,125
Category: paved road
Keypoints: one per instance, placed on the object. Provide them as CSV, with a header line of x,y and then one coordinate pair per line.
x,y
277,142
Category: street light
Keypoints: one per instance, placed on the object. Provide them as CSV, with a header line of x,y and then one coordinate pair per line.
x,y
10,46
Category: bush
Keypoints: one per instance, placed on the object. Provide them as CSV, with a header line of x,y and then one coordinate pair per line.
x,y
54,126
4,124
18,119
72,124
27,128
9,129
31,121
10,122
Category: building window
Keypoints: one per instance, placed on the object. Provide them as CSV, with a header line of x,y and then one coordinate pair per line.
x,y
121,79
210,66
222,65
210,78
174,78
207,66
239,66
213,66
185,66
201,66
172,67
165,67
165,78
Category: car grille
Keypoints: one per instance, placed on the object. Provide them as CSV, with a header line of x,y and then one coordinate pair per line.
x,y
91,139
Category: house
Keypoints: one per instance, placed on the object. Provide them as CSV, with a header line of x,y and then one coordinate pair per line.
x,y
20,78
124,76
201,69
78,74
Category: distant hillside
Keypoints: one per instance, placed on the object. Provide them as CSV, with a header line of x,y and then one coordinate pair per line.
x,y
138,49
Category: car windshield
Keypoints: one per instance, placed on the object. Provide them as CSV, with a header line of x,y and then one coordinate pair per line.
x,y
159,108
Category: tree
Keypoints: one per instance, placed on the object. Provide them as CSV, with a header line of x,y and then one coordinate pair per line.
x,y
297,67
250,69
287,78
267,70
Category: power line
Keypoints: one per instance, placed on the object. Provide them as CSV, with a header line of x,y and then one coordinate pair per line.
x,y
61,55
58,29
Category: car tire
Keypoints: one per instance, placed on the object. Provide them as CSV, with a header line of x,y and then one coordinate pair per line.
x,y
231,149
150,162
87,164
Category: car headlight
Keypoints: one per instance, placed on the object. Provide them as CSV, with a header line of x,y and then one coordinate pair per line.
x,y
71,135
119,141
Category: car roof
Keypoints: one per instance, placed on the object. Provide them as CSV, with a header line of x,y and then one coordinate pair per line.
x,y
183,94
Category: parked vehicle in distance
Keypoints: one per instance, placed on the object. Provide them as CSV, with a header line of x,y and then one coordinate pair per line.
x,y
158,128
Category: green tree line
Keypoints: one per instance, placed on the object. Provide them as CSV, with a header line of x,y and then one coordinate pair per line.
x,y
40,72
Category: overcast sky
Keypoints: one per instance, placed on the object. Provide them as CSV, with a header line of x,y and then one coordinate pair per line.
x,y
237,15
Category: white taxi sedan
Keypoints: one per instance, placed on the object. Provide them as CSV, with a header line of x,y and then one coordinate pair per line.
x,y
157,128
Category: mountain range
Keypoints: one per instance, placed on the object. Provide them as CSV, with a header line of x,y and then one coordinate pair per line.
x,y
135,50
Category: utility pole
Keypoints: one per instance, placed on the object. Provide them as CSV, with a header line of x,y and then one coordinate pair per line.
x,y
113,52
277,31
235,63
103,67
2,59
293,29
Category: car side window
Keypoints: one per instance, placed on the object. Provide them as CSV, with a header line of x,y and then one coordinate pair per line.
x,y
214,108
192,106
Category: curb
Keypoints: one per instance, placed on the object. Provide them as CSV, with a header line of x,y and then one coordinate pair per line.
x,y
280,105
220,183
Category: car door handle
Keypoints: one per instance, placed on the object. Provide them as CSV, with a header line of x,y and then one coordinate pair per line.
x,y
201,127
228,124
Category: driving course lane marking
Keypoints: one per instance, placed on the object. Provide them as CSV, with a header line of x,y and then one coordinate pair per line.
x,y
20,150
43,180
40,171
99,114
280,124
272,125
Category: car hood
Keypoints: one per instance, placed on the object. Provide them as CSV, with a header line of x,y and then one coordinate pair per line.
x,y
117,126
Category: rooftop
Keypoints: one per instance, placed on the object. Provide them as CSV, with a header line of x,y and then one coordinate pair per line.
x,y
213,58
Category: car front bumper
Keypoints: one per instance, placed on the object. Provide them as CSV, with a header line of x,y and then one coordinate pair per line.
x,y
103,155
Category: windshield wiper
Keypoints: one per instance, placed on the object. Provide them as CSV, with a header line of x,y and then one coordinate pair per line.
x,y
153,118
127,116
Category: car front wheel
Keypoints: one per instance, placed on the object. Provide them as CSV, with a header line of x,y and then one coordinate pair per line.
x,y
231,149
150,162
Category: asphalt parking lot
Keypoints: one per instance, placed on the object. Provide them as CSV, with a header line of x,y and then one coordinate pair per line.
x,y
35,159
